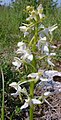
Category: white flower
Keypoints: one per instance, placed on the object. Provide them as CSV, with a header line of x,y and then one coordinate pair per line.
x,y
35,101
47,93
29,102
20,44
49,62
41,42
47,31
24,106
21,51
22,48
46,49
17,63
40,10
53,46
23,28
25,54
43,79
41,16
37,75
52,28
25,34
41,26
33,75
52,54
16,87
43,39
30,57
29,18
33,15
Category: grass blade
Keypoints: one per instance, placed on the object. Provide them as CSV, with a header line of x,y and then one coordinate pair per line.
x,y
2,110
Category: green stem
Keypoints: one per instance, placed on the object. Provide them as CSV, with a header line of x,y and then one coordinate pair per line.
x,y
34,70
2,116
31,95
31,112
32,90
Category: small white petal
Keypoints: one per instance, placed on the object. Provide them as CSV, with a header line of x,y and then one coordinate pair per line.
x,y
23,28
53,46
20,44
59,90
14,94
46,49
40,8
25,34
25,55
41,16
17,88
14,85
52,54
24,106
40,42
52,28
47,93
35,101
50,72
43,79
21,50
17,62
44,38
41,26
33,75
49,62
30,57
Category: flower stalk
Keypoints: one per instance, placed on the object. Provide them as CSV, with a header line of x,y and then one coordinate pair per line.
x,y
2,115
31,95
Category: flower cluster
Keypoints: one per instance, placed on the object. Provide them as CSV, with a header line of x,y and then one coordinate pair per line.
x,y
24,55
43,44
28,101
35,14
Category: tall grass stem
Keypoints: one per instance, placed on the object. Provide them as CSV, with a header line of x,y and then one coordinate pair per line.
x,y
2,110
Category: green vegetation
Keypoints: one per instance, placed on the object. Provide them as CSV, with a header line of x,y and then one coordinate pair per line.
x,y
10,20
